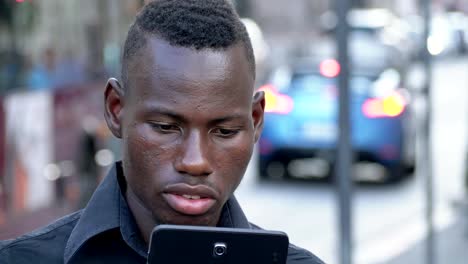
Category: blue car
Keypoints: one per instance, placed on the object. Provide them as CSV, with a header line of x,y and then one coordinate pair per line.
x,y
300,133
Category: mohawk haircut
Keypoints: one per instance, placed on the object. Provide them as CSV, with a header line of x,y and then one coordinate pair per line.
x,y
197,24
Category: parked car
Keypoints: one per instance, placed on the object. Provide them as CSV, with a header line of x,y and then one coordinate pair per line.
x,y
300,133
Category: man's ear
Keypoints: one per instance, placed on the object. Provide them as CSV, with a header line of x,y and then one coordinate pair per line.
x,y
258,109
114,102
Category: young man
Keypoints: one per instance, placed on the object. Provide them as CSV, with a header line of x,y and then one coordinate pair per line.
x,y
188,119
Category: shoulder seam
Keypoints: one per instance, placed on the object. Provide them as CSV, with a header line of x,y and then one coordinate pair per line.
x,y
73,217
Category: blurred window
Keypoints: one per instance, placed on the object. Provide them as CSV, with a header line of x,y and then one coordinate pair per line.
x,y
313,82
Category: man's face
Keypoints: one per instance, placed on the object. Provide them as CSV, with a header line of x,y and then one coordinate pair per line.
x,y
188,124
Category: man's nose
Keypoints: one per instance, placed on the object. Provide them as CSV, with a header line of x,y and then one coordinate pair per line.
x,y
193,159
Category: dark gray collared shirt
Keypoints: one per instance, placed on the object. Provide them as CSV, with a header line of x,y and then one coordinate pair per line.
x,y
106,232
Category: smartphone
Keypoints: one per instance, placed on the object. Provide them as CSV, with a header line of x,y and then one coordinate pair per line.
x,y
177,244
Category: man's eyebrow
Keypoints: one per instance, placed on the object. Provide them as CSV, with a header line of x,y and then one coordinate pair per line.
x,y
165,112
171,114
231,117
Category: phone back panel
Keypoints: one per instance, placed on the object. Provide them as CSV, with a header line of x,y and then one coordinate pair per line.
x,y
189,244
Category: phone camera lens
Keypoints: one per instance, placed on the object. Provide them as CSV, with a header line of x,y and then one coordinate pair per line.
x,y
219,249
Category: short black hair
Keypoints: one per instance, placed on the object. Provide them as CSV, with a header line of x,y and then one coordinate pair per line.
x,y
197,24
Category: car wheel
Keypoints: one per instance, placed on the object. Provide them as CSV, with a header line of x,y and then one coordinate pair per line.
x,y
262,172
396,172
272,169
410,168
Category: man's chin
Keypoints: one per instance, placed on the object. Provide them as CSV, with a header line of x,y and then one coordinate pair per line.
x,y
194,220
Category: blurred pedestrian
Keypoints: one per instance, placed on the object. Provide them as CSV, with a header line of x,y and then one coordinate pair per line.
x,y
188,118
87,168
43,75
70,70
11,70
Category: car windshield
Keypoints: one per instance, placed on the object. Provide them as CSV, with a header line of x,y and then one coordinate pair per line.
x,y
311,82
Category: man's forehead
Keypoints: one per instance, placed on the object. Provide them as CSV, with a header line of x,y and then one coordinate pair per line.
x,y
160,57
165,72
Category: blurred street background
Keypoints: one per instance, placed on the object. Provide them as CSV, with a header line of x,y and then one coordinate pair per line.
x,y
55,57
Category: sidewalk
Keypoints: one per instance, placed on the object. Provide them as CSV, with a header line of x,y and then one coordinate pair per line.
x,y
20,224
451,245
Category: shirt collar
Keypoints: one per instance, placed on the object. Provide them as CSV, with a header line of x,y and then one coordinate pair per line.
x,y
102,213
129,229
107,209
233,216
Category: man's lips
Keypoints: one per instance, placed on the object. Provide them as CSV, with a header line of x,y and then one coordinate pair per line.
x,y
190,200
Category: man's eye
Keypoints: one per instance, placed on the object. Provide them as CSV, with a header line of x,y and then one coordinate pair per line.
x,y
226,132
165,128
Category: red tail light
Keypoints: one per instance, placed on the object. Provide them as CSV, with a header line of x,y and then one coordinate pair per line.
x,y
330,68
276,102
390,106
